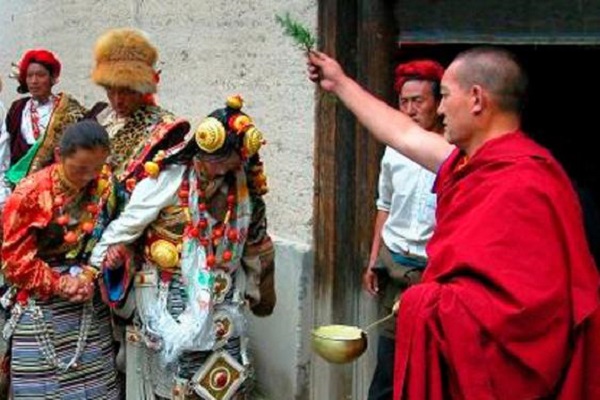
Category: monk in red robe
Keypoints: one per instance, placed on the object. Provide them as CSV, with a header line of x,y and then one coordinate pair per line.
x,y
509,304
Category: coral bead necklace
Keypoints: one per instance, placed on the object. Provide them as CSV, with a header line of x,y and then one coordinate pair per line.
x,y
86,224
217,239
87,219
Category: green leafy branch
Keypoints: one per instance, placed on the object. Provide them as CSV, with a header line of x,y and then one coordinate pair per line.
x,y
294,29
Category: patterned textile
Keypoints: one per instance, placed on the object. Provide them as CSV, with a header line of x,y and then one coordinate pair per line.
x,y
66,112
149,129
218,321
40,155
94,376
35,255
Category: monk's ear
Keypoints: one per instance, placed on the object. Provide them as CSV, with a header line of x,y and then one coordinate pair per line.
x,y
478,99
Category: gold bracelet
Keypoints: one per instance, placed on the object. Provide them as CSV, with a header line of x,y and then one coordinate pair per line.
x,y
90,273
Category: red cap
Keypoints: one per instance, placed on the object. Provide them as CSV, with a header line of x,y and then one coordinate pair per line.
x,y
421,70
38,56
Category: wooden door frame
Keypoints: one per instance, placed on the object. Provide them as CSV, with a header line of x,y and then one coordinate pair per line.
x,y
360,34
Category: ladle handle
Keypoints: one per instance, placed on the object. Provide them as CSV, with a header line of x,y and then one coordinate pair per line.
x,y
379,321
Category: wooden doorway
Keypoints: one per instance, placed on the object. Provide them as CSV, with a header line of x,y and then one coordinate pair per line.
x,y
368,41
361,35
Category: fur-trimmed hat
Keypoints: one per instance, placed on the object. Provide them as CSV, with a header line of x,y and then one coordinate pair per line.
x,y
125,58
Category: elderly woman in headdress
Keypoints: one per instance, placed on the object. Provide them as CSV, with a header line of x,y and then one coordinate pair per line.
x,y
34,123
207,256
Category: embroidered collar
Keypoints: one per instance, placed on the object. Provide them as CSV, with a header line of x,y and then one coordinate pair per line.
x,y
64,185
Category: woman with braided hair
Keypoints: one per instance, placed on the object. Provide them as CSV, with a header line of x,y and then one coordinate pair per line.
x,y
200,218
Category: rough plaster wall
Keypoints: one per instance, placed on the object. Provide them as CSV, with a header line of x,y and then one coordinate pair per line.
x,y
208,50
282,354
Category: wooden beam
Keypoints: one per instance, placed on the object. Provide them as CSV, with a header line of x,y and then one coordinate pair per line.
x,y
333,184
359,34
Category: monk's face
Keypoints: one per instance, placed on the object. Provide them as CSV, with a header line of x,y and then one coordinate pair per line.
x,y
456,108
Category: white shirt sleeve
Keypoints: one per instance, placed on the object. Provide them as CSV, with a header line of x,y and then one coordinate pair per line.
x,y
149,197
385,187
4,162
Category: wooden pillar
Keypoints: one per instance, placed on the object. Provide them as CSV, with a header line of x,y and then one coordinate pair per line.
x,y
360,35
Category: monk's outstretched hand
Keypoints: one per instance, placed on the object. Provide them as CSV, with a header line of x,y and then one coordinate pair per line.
x,y
324,70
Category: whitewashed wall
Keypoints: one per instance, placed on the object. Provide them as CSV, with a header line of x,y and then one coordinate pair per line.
x,y
208,50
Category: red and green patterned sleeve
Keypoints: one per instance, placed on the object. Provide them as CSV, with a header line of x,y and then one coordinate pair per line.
x,y
28,209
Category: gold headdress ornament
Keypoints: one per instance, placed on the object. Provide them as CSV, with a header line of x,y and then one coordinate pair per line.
x,y
212,133
125,58
253,140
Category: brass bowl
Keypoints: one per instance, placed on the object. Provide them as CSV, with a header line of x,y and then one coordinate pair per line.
x,y
339,343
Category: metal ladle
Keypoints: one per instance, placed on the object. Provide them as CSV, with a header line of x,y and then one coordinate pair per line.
x,y
336,348
379,321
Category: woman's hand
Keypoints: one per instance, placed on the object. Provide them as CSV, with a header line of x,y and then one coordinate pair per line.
x,y
67,286
116,255
85,291
75,289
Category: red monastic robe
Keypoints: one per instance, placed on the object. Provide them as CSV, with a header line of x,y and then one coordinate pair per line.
x,y
509,303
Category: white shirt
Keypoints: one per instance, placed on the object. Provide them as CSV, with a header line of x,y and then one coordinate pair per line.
x,y
405,192
44,113
2,112
110,121
149,197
